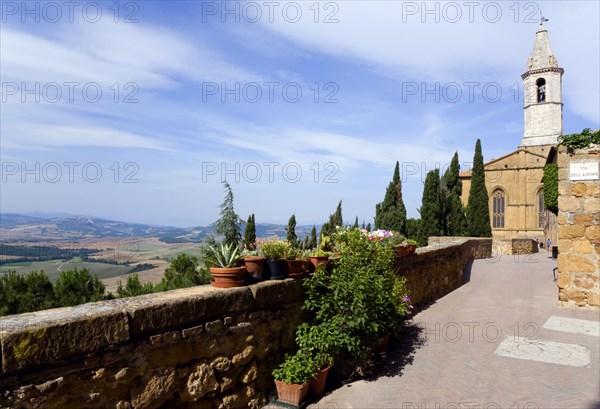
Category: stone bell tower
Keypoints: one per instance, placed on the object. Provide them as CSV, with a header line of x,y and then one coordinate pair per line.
x,y
542,85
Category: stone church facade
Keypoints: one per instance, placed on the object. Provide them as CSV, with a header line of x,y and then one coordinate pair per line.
x,y
514,181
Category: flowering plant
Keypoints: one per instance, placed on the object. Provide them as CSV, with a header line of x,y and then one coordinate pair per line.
x,y
380,234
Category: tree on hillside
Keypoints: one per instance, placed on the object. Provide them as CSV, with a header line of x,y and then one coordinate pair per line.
x,y
391,213
431,209
478,212
453,214
229,224
291,231
250,233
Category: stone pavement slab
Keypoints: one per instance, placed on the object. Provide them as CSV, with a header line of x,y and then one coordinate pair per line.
x,y
447,358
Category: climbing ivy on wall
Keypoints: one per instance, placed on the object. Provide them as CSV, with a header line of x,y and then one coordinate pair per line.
x,y
580,140
550,181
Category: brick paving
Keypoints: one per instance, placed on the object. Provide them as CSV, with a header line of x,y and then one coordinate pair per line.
x,y
447,359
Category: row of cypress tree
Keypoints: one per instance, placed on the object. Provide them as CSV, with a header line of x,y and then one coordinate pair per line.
x,y
442,212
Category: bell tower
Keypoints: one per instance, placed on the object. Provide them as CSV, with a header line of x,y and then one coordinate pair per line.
x,y
542,86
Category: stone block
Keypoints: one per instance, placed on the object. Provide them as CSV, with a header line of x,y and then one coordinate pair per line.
x,y
569,263
571,232
582,247
569,204
563,280
593,233
49,336
158,312
583,218
579,189
273,293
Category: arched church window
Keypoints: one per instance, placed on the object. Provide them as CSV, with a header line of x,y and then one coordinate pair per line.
x,y
541,209
498,203
541,89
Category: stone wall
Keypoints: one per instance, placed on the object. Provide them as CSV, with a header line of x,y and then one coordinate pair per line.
x,y
199,347
524,246
439,268
578,232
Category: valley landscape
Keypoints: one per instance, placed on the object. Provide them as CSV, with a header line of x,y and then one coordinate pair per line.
x,y
111,249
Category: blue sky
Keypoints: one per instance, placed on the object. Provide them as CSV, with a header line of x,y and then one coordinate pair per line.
x,y
298,104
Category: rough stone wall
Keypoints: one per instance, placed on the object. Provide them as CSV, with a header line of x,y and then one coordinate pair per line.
x,y
578,233
439,268
524,246
193,348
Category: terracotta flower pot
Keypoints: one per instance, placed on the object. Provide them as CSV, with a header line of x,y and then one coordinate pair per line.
x,y
319,261
254,265
317,383
295,268
228,277
291,393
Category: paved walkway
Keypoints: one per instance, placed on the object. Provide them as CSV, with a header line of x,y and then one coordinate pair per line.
x,y
467,349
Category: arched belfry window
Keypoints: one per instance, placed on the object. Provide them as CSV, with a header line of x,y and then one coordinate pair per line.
x,y
541,89
498,204
541,209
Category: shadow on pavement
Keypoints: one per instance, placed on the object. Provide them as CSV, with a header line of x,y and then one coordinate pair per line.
x,y
400,353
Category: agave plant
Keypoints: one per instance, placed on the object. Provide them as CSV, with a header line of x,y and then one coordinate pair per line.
x,y
224,256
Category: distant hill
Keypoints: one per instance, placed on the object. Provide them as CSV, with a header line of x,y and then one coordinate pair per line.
x,y
19,227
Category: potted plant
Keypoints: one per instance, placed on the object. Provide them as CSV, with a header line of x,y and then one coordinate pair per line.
x,y
319,259
254,263
322,364
224,263
407,247
295,263
275,251
292,377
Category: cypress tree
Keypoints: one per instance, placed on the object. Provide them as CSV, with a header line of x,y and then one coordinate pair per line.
x,y
229,223
291,231
431,209
335,220
453,215
356,223
478,212
250,233
313,238
391,213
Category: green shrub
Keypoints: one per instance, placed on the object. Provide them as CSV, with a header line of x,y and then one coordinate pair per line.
x,y
134,287
295,369
75,287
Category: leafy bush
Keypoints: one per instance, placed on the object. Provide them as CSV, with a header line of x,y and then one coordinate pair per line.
x,y
75,287
134,287
295,369
550,181
584,139
274,249
356,303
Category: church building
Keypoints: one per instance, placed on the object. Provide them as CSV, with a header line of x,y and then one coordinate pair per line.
x,y
514,181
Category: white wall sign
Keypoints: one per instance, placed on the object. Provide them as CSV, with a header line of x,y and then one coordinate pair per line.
x,y
587,170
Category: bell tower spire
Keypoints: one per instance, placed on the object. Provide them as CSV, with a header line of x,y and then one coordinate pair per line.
x,y
542,85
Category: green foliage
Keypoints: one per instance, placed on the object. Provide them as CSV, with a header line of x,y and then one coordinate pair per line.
x,y
352,306
391,213
75,287
229,224
134,287
182,273
295,369
355,223
335,220
431,208
313,238
550,181
141,267
454,222
478,212
223,256
412,227
275,249
581,140
291,231
250,233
